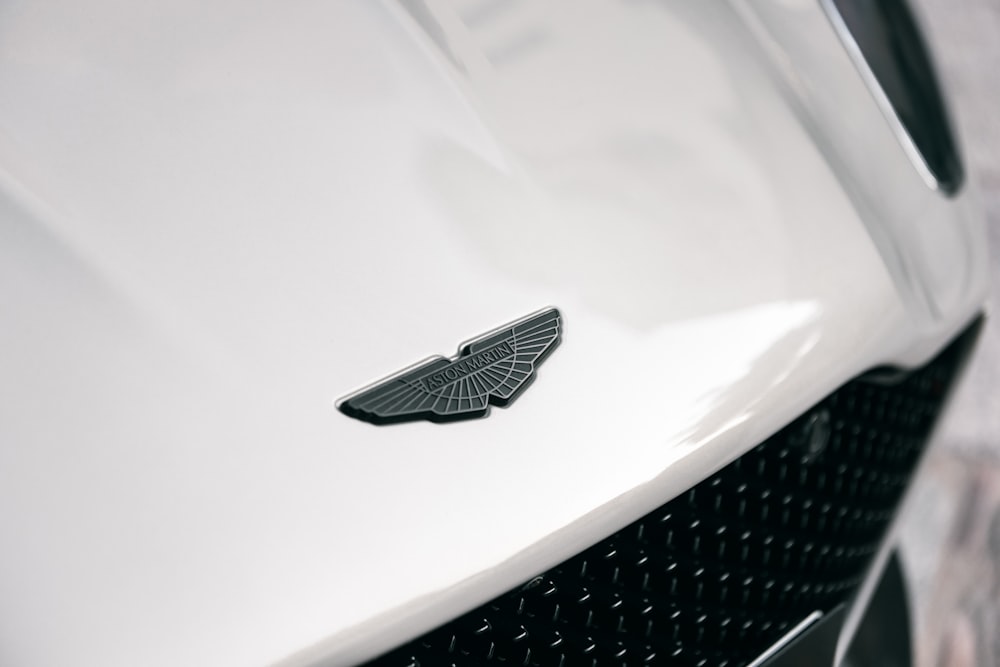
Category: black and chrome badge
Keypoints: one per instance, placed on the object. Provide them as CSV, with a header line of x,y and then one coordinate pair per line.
x,y
493,369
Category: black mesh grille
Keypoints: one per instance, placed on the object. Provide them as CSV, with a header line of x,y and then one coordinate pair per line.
x,y
720,573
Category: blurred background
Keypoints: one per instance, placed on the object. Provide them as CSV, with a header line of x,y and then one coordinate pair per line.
x,y
951,524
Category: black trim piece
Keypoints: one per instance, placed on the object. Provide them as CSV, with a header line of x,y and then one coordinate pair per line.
x,y
894,49
883,638
816,646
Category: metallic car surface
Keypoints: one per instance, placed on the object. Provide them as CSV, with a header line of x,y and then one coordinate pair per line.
x,y
217,219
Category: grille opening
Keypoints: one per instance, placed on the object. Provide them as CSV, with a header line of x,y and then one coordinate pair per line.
x,y
720,573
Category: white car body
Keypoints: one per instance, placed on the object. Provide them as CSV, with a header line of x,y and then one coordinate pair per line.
x,y
217,219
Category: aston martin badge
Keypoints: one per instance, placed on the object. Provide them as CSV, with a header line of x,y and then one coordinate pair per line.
x,y
493,369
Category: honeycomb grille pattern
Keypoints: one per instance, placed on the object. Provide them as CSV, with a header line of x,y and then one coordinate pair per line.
x,y
718,574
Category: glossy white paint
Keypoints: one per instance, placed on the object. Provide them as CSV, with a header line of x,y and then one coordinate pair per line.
x,y
219,218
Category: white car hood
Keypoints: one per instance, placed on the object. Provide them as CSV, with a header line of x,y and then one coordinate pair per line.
x,y
216,219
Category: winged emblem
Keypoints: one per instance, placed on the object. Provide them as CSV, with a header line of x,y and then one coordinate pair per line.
x,y
493,369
